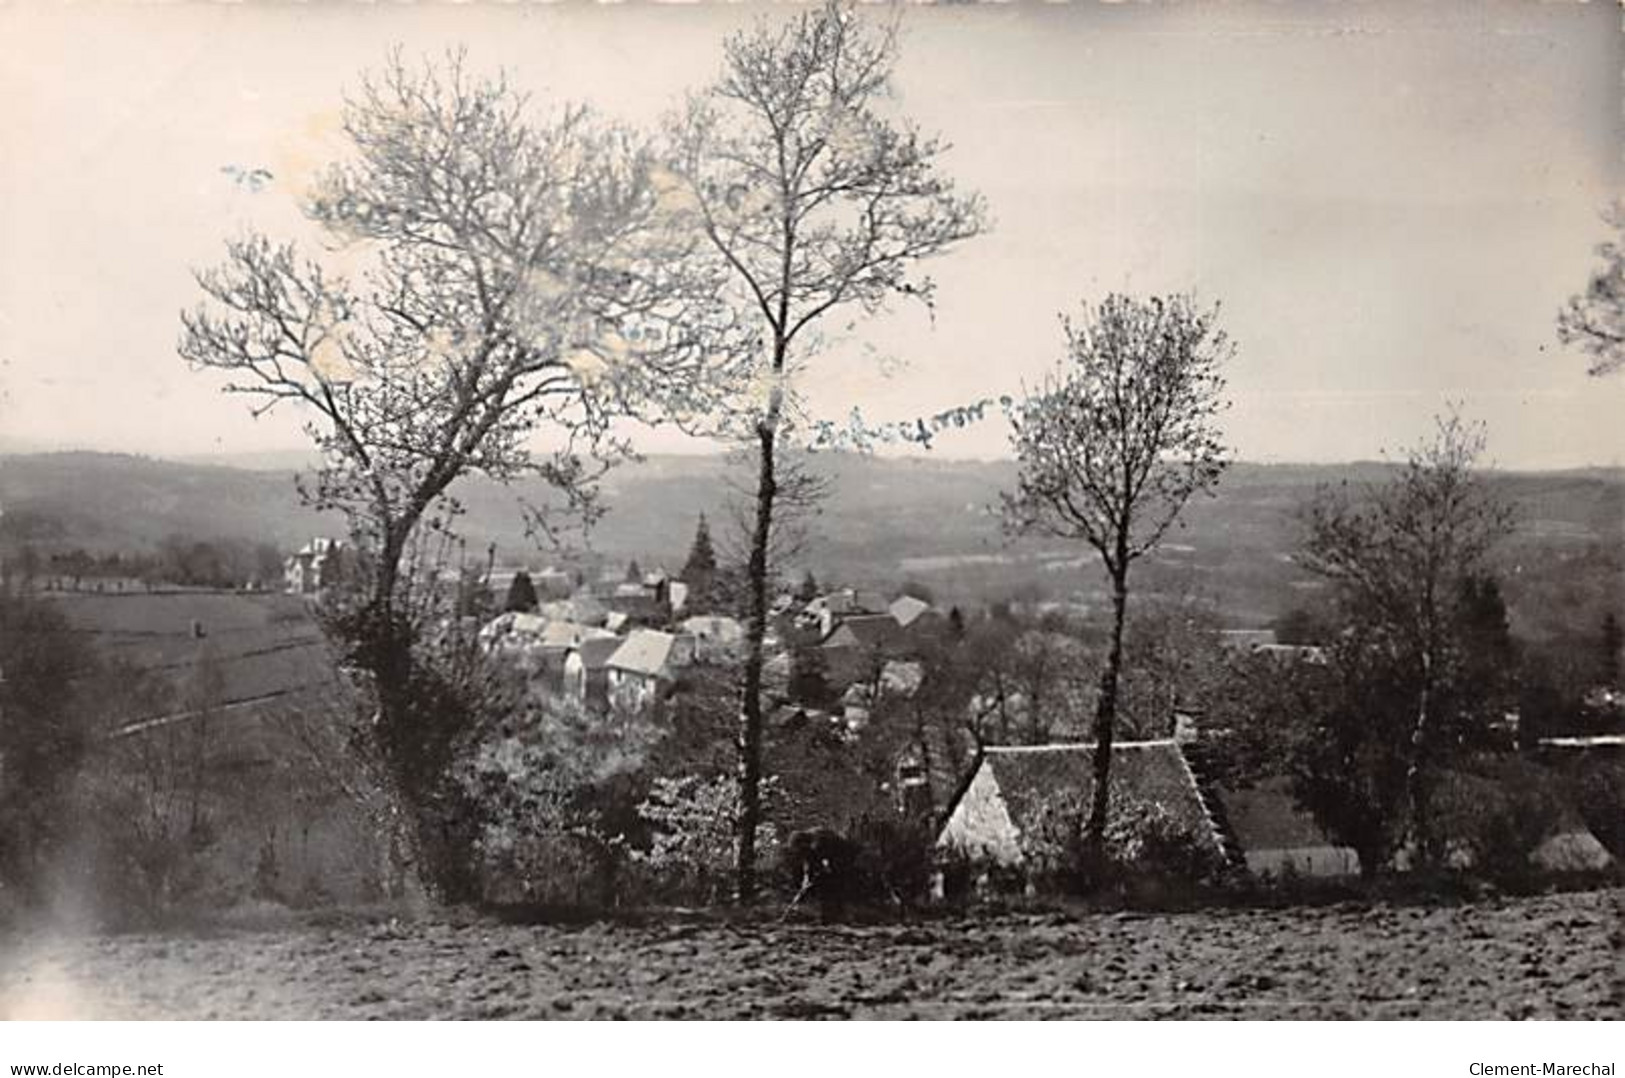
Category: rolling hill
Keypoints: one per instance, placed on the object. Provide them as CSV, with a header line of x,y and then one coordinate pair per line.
x,y
884,521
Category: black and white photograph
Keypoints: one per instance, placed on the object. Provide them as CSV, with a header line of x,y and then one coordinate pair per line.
x,y
811,509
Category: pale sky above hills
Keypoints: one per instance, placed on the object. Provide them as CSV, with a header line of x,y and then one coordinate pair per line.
x,y
1390,200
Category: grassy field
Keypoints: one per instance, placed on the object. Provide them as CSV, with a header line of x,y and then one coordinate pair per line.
x,y
1546,957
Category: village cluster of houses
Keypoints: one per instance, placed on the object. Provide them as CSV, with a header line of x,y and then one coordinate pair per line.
x,y
627,644
628,641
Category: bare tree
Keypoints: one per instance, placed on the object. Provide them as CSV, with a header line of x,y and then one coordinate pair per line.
x,y
1595,319
815,203
1400,556
505,278
1110,448
1046,670
1172,656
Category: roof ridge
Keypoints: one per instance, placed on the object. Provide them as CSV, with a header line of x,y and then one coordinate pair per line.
x,y
1072,746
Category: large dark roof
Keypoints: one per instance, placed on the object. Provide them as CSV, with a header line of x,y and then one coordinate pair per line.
x,y
1153,771
1265,817
872,631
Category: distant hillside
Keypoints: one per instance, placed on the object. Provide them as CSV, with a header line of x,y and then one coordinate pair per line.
x,y
110,502
885,520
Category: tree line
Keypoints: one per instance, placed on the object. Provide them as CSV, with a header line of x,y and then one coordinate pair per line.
x,y
177,560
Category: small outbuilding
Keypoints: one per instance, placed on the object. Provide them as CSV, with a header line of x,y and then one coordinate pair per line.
x,y
1277,837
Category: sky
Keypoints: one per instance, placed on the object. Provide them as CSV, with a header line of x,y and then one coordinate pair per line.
x,y
1389,201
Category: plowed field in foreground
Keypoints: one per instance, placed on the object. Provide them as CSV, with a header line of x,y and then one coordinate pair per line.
x,y
1557,956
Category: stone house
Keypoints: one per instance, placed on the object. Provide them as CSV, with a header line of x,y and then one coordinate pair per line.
x,y
647,662
996,817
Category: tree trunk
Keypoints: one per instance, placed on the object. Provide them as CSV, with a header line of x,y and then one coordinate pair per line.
x,y
1106,720
408,883
750,732
1415,781
388,658
1035,702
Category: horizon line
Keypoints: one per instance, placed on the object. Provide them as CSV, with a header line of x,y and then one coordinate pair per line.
x,y
233,460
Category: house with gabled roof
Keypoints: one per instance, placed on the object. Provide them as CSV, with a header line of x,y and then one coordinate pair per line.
x,y
998,811
906,609
1276,836
640,604
858,646
314,567
646,662
717,637
918,619
586,671
827,611
870,632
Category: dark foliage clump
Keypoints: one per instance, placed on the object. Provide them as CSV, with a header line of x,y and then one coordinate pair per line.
x,y
521,594
44,737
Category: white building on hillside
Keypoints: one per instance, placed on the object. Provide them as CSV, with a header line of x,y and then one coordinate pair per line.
x,y
314,567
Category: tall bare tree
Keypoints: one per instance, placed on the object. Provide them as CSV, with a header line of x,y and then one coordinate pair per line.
x,y
505,278
1595,319
816,204
1111,446
1401,556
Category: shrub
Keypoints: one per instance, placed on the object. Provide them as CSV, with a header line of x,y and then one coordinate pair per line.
x,y
45,734
149,823
880,862
894,859
1053,847
1143,842
693,824
1144,837
1599,795
822,866
538,842
1493,821
546,794
575,870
